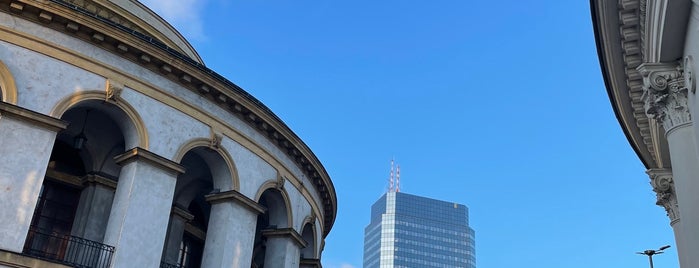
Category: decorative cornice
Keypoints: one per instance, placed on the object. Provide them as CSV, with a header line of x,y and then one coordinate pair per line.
x,y
287,233
32,117
153,55
664,188
143,154
234,195
632,30
664,94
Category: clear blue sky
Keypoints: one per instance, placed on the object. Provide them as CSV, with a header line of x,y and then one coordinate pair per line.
x,y
499,105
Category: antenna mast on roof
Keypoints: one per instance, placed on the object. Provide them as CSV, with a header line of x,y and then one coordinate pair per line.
x,y
390,179
398,178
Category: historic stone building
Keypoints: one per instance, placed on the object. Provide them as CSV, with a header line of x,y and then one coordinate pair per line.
x,y
119,148
647,51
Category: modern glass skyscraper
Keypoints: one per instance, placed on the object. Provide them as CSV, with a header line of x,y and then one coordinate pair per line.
x,y
410,231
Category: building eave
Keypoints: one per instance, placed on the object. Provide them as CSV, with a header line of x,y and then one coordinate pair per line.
x,y
612,62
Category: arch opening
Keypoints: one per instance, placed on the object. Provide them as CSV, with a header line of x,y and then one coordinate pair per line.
x,y
207,172
275,217
8,90
79,185
308,235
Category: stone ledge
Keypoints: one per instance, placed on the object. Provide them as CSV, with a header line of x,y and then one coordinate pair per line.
x,y
286,232
32,117
15,260
138,153
234,195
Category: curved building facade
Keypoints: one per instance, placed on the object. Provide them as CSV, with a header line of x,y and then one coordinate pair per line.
x,y
648,51
120,148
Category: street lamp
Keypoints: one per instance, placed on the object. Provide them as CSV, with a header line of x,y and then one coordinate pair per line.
x,y
651,252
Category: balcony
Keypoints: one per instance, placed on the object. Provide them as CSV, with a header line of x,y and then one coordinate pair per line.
x,y
68,250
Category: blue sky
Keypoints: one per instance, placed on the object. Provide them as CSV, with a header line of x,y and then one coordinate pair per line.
x,y
499,105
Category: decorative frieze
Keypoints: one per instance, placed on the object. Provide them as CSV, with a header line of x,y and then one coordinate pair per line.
x,y
664,188
665,94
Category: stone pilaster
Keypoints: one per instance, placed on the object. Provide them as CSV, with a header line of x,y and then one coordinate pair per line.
x,y
140,212
283,247
26,141
665,94
229,243
664,188
94,207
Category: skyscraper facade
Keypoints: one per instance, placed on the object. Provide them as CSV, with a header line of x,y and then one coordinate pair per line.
x,y
410,231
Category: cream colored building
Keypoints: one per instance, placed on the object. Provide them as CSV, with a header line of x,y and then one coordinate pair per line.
x,y
119,148
647,51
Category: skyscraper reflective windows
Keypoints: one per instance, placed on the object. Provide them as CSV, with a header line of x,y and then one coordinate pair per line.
x,y
410,231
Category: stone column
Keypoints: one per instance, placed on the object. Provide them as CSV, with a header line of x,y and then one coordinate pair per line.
x,y
141,208
231,231
283,247
665,99
94,207
26,141
664,188
175,230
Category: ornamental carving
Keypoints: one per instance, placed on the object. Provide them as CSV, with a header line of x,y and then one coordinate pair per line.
x,y
279,184
113,91
215,139
665,94
664,188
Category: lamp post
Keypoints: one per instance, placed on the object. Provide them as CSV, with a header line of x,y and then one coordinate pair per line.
x,y
651,252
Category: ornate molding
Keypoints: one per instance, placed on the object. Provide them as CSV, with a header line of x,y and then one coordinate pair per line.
x,y
665,94
664,188
99,10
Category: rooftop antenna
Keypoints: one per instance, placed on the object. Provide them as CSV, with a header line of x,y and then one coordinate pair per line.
x,y
390,179
398,178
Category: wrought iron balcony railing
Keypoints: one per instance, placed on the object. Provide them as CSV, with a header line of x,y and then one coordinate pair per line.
x,y
67,249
